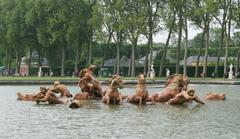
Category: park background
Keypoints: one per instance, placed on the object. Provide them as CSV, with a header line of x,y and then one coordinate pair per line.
x,y
61,37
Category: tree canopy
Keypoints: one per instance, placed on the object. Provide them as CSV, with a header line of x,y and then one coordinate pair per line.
x,y
77,33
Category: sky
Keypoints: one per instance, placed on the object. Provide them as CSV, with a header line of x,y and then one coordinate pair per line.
x,y
162,35
192,32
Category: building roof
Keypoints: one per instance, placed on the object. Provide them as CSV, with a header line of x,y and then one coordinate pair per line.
x,y
34,61
124,62
192,59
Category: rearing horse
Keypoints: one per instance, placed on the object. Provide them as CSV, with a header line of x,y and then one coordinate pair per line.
x,y
112,95
175,84
141,93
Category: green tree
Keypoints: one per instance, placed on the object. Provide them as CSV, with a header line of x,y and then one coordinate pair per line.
x,y
186,16
5,13
134,22
152,26
203,12
197,19
76,35
236,35
13,34
91,4
236,40
113,23
221,17
169,23
228,31
57,22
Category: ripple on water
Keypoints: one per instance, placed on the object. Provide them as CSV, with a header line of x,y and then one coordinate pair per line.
x,y
96,120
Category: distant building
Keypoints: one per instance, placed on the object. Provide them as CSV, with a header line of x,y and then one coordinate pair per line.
x,y
142,60
24,70
155,54
192,60
124,62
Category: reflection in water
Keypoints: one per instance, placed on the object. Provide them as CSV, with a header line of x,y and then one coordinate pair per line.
x,y
111,108
96,120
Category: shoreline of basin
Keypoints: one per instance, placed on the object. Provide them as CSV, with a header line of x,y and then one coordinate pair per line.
x,y
127,82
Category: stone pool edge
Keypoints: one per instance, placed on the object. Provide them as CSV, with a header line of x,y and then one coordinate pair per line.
x,y
127,82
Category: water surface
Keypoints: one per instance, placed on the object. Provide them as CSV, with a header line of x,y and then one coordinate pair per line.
x,y
25,120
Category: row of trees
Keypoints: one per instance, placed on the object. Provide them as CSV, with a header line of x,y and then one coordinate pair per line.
x,y
60,28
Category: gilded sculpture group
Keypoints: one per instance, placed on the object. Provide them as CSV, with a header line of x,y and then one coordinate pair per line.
x,y
176,92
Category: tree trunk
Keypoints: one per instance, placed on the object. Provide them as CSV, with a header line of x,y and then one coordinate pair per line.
x,y
237,62
50,68
133,61
29,61
18,65
134,45
50,60
185,59
9,64
150,41
119,42
7,60
223,28
199,55
118,59
186,49
115,67
90,53
104,56
40,56
146,62
106,49
238,55
179,44
76,61
63,62
40,60
206,47
130,67
166,46
219,53
150,36
18,61
227,40
226,54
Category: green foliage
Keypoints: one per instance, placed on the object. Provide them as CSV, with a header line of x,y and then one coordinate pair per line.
x,y
215,36
48,25
236,38
196,42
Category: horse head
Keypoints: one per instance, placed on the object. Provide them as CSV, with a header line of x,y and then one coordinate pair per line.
x,y
116,82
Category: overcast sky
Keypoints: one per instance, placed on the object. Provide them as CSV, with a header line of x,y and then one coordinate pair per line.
x,y
162,35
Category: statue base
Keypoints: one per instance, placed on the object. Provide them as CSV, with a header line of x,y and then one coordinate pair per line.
x,y
230,75
39,74
152,75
